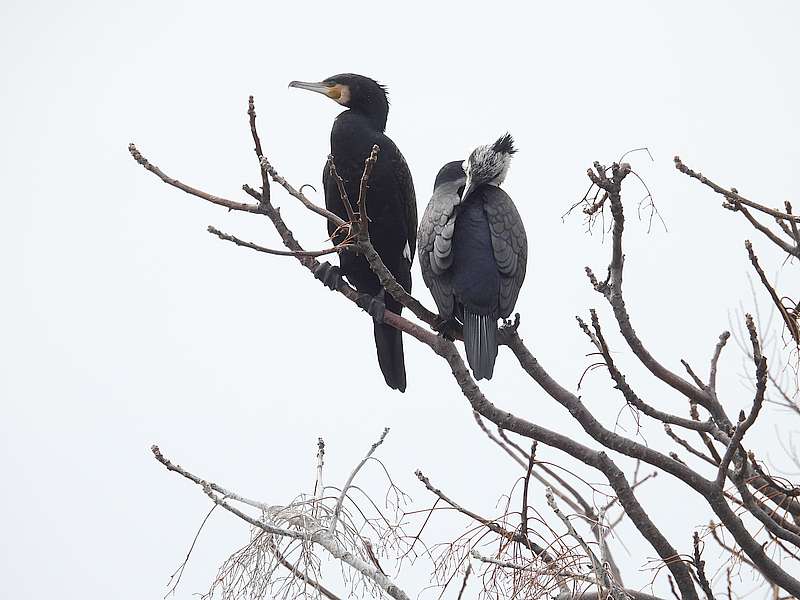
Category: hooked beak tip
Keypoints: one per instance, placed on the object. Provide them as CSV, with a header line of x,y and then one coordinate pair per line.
x,y
318,87
467,190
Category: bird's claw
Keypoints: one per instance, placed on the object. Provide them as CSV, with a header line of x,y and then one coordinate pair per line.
x,y
446,327
511,324
374,305
329,275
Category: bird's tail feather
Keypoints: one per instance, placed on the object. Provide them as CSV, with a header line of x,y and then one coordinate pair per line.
x,y
389,343
480,342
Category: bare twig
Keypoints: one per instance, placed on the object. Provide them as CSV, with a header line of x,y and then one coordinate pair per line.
x,y
732,194
464,582
790,320
315,534
699,567
319,487
349,482
219,200
491,525
173,581
251,112
712,374
323,212
524,513
746,422
351,217
303,576
310,253
537,570
600,576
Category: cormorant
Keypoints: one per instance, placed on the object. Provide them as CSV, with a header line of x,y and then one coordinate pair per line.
x,y
473,249
391,206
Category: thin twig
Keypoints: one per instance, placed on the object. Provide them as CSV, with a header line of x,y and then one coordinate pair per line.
x,y
251,112
464,582
349,482
597,566
179,571
323,212
732,194
219,200
302,576
310,253
699,566
524,515
491,525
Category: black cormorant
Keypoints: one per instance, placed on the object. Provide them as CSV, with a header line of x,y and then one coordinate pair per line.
x,y
391,205
473,249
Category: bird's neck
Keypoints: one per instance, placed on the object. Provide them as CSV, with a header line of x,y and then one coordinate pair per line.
x,y
374,112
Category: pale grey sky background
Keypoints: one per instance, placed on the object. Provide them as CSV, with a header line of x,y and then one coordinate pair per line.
x,y
124,323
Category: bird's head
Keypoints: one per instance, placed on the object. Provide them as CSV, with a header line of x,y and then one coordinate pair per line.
x,y
356,92
450,173
488,164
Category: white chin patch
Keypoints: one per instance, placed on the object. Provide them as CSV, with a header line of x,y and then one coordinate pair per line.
x,y
407,252
344,96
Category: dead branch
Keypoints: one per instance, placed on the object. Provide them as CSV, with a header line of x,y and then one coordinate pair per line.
x,y
304,527
313,253
350,479
313,523
732,195
218,200
700,567
488,523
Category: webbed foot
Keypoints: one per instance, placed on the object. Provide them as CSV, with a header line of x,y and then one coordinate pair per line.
x,y
329,275
374,305
447,327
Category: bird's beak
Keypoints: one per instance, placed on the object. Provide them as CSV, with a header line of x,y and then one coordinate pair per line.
x,y
468,188
331,91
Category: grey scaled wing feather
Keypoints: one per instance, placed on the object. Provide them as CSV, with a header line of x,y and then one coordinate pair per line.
x,y
510,245
508,255
435,243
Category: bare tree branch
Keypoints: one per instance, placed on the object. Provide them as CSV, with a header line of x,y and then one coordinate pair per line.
x,y
349,482
700,568
314,253
732,195
306,530
757,497
220,201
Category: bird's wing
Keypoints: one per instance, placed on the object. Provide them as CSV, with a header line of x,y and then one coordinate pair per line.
x,y
405,185
510,246
330,194
436,245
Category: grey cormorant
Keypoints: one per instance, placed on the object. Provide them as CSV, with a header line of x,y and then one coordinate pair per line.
x,y
391,206
473,249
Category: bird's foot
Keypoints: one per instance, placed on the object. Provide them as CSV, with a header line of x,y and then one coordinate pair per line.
x,y
510,325
447,327
374,305
329,275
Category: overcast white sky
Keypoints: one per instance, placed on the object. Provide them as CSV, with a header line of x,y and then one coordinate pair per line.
x,y
124,323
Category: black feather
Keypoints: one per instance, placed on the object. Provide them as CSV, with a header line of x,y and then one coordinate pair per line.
x,y
480,343
505,145
391,205
389,344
